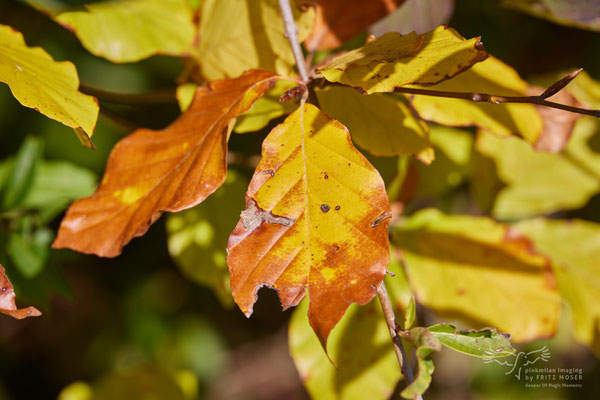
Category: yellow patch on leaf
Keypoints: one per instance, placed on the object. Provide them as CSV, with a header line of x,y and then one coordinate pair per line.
x,y
150,172
477,270
316,219
50,87
491,76
396,60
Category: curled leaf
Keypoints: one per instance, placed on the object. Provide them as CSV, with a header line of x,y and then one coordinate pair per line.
x,y
150,172
316,219
487,343
397,60
7,300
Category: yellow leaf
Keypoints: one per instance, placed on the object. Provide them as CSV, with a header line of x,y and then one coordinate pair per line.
x,y
185,95
573,247
586,90
539,182
131,30
491,76
475,269
361,349
380,124
396,60
316,219
245,34
50,87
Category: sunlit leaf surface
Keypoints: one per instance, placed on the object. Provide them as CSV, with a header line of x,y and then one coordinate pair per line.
x,y
150,172
397,60
313,206
50,87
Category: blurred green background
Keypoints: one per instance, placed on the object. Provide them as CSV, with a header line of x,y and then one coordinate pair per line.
x,y
135,327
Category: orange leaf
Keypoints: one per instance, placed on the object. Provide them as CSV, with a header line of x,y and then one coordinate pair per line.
x,y
150,172
7,300
316,218
339,20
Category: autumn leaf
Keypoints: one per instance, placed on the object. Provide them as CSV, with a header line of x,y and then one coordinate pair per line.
x,y
394,60
7,300
573,248
339,20
535,181
252,37
313,207
580,14
150,172
491,76
487,343
130,30
365,364
415,15
477,270
50,87
378,123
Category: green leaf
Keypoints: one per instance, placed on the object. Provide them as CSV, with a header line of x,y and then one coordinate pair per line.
x,y
50,87
380,124
486,343
397,60
19,179
251,38
539,182
426,344
580,14
573,248
197,238
359,345
410,315
131,30
491,76
55,185
476,270
30,252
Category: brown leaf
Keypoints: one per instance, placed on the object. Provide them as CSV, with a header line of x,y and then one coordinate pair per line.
x,y
340,20
558,124
316,220
150,172
7,300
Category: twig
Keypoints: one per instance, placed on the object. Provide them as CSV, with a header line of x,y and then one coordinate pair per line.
x,y
494,99
390,319
291,31
156,97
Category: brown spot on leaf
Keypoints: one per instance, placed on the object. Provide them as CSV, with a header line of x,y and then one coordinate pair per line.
x,y
324,208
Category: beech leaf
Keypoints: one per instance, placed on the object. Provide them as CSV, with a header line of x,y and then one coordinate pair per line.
x,y
379,123
580,14
573,248
7,300
486,343
252,37
365,364
131,30
316,219
491,76
394,60
415,15
50,87
477,270
150,172
535,181
340,20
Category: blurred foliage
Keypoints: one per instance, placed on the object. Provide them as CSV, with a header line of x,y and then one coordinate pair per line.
x,y
135,326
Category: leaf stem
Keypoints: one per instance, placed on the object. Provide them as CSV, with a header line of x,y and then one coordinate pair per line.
x,y
155,97
291,31
390,319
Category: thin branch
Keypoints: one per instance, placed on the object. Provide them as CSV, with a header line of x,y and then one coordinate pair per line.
x,y
155,97
390,319
291,31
